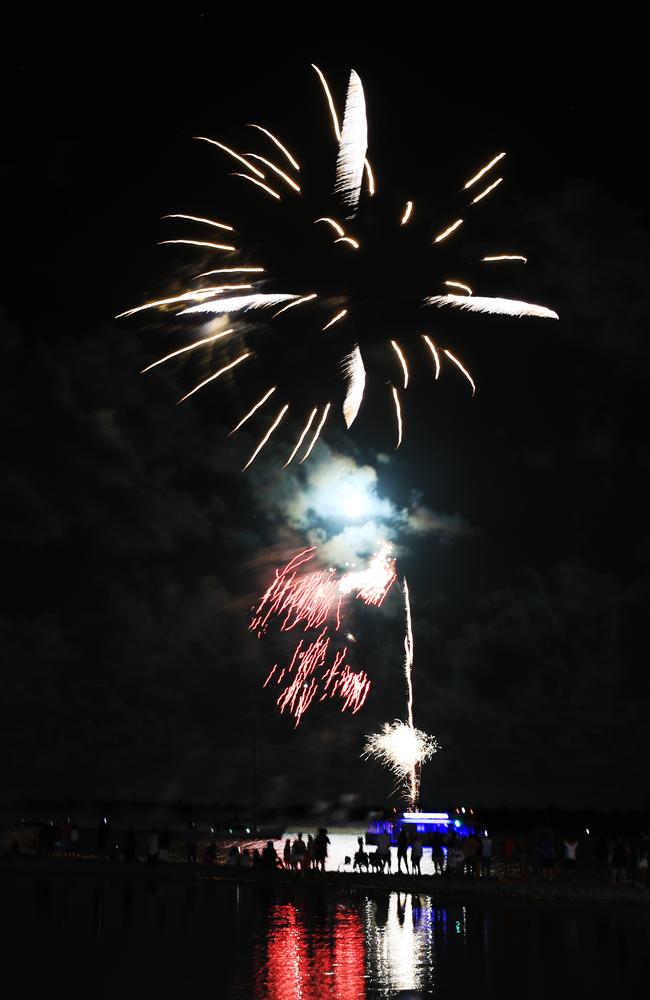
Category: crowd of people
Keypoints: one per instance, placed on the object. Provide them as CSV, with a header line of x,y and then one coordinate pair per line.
x,y
543,854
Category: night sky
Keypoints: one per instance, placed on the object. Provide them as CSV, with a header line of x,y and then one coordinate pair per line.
x,y
133,546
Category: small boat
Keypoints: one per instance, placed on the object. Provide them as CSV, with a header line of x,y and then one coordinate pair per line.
x,y
416,824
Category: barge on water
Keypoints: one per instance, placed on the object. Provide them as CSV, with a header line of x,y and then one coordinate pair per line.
x,y
424,825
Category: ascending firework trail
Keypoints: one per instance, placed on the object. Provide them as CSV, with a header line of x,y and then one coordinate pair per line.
x,y
399,745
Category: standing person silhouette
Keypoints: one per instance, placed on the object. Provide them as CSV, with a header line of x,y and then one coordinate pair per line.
x,y
402,849
321,842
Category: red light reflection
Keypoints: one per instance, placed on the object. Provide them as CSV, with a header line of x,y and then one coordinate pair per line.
x,y
309,962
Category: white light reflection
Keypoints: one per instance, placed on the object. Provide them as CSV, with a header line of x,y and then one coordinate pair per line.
x,y
400,941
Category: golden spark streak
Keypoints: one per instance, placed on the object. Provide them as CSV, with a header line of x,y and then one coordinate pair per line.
x,y
250,413
267,436
489,188
433,350
348,239
297,302
464,370
330,101
316,435
301,438
198,218
398,412
339,229
407,213
221,371
506,256
200,243
238,303
370,176
483,304
200,293
265,187
237,156
354,373
402,361
230,270
459,284
182,350
280,173
450,229
483,170
351,158
336,318
277,142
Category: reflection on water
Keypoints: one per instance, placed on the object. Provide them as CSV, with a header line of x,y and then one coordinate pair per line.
x,y
301,961
168,937
379,946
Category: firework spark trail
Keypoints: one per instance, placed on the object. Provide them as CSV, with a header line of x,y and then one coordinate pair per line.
x,y
199,218
276,170
200,293
313,600
230,270
260,184
448,231
352,145
238,303
301,438
408,670
190,347
252,410
402,361
200,243
462,368
459,284
211,378
326,411
354,373
398,415
483,171
273,138
297,302
333,223
348,239
408,653
434,352
266,437
231,152
505,256
486,191
484,304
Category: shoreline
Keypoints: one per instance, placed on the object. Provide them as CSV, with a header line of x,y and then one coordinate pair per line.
x,y
582,889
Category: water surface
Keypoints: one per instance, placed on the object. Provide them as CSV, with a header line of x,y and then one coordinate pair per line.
x,y
140,936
